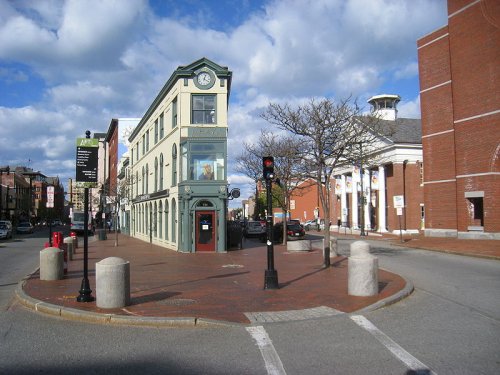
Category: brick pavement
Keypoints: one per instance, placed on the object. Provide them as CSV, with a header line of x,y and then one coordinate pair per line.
x,y
223,287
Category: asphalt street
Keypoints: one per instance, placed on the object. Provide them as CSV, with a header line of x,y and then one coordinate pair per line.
x,y
449,325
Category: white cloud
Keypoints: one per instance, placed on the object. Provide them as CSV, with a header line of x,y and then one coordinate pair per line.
x,y
409,109
99,59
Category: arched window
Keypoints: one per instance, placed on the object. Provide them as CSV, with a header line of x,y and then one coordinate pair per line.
x,y
136,183
161,171
174,165
166,219
160,220
174,220
156,174
143,181
155,221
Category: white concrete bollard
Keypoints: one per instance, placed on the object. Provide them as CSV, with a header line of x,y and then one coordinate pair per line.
x,y
112,283
298,245
333,248
362,271
69,241
51,263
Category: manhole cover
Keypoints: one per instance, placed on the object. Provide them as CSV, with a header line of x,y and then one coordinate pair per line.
x,y
232,266
176,302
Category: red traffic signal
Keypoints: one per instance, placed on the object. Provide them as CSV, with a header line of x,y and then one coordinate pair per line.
x,y
268,167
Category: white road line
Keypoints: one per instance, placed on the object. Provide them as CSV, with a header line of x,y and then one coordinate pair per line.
x,y
269,354
394,348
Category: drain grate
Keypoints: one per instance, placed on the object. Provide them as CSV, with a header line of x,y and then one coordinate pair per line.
x,y
176,302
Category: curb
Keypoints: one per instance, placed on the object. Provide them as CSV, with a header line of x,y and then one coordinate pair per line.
x,y
403,293
163,322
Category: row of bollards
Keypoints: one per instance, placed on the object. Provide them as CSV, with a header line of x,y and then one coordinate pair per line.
x,y
112,274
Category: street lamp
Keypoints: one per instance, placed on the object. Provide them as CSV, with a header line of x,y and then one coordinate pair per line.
x,y
362,232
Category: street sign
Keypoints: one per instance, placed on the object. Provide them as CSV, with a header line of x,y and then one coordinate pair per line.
x,y
399,201
50,196
86,161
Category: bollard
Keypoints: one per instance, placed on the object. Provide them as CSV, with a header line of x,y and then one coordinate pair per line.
x,y
333,248
298,245
75,244
51,263
362,271
112,283
69,242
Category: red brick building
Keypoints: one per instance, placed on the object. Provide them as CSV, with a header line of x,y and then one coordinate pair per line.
x,y
459,67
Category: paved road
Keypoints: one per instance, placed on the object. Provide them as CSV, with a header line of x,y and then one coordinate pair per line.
x,y
449,325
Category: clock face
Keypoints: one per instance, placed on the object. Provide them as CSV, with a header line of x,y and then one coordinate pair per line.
x,y
204,78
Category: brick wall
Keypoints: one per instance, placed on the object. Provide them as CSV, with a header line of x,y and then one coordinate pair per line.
x,y
464,157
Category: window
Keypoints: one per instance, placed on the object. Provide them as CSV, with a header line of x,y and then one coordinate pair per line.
x,y
156,131
143,181
147,141
203,161
137,151
143,144
161,171
203,109
174,165
156,175
174,113
147,179
162,131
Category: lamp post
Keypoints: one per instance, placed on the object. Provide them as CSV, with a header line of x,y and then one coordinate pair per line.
x,y
2,170
85,293
270,275
362,232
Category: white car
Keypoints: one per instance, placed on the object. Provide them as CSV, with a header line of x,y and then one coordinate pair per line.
x,y
5,229
254,229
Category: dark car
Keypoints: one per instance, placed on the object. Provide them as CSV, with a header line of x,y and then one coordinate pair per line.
x,y
24,227
294,231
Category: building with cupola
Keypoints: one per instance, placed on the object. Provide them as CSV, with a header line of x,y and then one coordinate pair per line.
x,y
178,162
385,192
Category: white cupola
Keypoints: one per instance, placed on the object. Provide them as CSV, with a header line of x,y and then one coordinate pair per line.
x,y
385,106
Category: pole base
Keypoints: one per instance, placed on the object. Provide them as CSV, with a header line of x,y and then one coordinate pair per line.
x,y
271,279
85,292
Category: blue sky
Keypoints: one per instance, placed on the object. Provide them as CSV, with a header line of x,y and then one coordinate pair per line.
x,y
69,66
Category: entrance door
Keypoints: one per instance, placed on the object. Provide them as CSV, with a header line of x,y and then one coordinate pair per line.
x,y
205,231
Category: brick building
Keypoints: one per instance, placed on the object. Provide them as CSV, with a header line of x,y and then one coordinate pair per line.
x,y
459,67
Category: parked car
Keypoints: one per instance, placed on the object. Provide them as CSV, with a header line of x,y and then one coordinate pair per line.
x,y
294,231
254,229
24,227
5,229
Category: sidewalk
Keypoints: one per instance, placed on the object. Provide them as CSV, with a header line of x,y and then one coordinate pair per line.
x,y
171,288
489,249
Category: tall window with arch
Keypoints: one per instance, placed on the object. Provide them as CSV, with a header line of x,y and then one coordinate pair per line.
x,y
174,165
161,171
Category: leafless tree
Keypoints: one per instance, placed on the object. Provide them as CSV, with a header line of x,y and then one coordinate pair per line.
x,y
284,149
328,131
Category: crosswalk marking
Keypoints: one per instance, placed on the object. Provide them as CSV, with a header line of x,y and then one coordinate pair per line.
x,y
405,357
266,347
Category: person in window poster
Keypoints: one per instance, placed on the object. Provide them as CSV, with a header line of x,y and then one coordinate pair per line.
x,y
206,172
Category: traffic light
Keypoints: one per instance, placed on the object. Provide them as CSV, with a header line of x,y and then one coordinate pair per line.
x,y
268,167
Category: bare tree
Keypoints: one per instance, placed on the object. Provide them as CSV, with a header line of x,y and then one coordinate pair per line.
x,y
327,131
284,149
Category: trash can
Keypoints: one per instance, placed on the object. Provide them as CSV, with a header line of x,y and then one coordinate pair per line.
x,y
234,235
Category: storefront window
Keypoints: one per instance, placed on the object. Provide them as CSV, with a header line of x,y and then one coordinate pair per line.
x,y
203,162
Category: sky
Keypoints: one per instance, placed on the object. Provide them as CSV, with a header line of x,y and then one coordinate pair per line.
x,y
67,66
